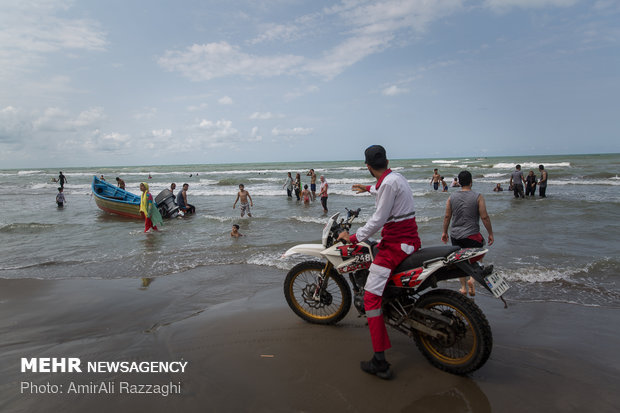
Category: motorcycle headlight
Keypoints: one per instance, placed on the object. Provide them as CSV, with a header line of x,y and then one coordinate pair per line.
x,y
327,228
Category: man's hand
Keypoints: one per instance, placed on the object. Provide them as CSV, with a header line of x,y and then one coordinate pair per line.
x,y
344,235
359,188
444,237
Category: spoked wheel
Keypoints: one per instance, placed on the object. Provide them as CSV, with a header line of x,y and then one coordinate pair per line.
x,y
317,298
468,340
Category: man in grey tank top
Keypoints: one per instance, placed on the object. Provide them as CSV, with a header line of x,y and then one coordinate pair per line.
x,y
466,208
517,181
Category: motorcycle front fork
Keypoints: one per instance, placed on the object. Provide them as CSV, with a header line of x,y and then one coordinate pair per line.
x,y
321,284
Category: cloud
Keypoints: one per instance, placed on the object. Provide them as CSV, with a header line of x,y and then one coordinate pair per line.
x,y
196,108
61,120
31,30
255,135
111,142
265,115
226,100
162,133
504,5
213,60
14,125
290,133
358,29
216,133
394,91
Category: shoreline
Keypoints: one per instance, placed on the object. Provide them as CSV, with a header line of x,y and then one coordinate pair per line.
x,y
251,353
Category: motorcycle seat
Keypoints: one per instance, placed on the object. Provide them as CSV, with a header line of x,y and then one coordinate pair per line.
x,y
416,259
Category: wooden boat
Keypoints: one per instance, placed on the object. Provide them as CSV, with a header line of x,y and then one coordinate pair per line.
x,y
115,200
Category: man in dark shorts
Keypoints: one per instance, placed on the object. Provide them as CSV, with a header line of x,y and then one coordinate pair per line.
x,y
435,179
516,182
185,206
542,184
466,208
62,180
312,176
323,193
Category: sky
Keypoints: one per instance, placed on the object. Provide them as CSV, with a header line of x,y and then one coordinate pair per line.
x,y
117,82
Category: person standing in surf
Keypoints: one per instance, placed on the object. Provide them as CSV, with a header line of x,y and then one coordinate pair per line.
x,y
323,193
244,195
466,208
542,184
148,209
62,180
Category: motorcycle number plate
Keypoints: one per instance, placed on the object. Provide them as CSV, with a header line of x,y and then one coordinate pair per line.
x,y
497,284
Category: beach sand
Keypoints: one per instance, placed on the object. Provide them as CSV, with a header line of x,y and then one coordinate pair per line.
x,y
253,354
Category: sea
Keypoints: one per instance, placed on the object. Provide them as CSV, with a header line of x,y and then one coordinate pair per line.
x,y
560,248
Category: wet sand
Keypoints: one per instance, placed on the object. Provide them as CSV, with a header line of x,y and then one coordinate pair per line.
x,y
253,354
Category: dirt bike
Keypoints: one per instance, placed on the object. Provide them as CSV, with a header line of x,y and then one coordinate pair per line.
x,y
447,327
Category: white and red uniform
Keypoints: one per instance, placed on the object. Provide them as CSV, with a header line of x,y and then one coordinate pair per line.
x,y
399,238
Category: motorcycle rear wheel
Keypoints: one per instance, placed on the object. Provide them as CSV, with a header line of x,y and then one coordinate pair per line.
x,y
300,286
469,340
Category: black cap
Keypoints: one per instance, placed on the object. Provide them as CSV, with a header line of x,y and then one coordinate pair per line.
x,y
375,156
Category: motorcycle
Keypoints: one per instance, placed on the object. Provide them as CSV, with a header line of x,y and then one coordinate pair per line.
x,y
448,328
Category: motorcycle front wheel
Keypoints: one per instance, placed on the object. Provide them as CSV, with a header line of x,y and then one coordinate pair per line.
x,y
317,298
468,339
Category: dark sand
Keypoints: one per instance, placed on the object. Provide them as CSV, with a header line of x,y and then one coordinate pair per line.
x,y
253,354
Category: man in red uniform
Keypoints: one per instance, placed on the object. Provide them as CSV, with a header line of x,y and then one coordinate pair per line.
x,y
394,213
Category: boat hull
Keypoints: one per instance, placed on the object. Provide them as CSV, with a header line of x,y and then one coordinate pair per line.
x,y
118,208
114,200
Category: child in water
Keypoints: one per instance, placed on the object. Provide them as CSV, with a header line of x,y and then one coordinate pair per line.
x,y
444,185
60,198
305,195
235,231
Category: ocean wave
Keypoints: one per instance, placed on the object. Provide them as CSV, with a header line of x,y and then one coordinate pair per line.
x,y
495,175
269,260
446,162
531,165
218,218
27,228
588,182
29,172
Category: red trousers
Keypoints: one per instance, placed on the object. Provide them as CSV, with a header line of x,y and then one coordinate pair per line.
x,y
148,224
389,257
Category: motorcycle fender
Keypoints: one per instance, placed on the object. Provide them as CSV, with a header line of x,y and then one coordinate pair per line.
x,y
313,250
474,271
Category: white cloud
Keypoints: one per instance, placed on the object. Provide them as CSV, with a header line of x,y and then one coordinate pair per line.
x,y
162,133
504,5
291,132
108,142
394,91
197,108
370,27
226,100
61,120
31,30
88,117
213,60
265,115
255,135
217,133
14,125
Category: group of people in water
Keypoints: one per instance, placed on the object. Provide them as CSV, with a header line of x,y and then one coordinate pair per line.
x,y
520,185
517,182
307,195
